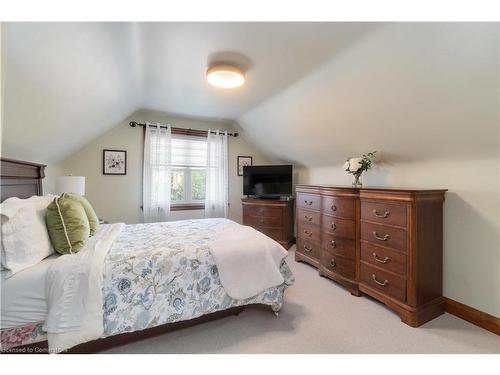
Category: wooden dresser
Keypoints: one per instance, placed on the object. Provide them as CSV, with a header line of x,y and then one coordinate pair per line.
x,y
273,217
383,242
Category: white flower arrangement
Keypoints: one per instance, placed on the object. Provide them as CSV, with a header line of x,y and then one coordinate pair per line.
x,y
360,164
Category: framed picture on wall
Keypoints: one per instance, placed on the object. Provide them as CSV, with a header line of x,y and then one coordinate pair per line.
x,y
114,162
243,161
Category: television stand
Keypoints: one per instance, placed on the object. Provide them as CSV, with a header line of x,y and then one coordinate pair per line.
x,y
273,217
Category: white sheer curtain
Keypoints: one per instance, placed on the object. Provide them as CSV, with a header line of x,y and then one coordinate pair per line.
x,y
216,195
157,173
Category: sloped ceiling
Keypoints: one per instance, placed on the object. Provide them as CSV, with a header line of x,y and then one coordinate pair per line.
x,y
315,92
176,55
66,83
413,91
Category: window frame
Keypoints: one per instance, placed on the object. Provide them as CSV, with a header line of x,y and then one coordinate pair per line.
x,y
188,204
183,206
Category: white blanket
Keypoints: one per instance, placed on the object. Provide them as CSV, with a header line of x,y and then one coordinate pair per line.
x,y
74,292
247,260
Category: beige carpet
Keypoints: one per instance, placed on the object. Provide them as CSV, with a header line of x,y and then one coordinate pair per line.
x,y
319,316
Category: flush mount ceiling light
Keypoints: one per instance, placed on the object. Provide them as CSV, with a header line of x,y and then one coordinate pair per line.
x,y
225,76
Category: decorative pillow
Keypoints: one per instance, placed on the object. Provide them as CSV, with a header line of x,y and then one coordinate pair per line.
x,y
89,210
25,240
67,224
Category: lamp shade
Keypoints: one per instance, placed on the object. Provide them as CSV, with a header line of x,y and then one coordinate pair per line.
x,y
70,184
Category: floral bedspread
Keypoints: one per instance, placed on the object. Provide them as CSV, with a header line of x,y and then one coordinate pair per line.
x,y
164,272
23,335
161,273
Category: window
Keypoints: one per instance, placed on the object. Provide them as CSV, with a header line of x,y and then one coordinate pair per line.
x,y
189,161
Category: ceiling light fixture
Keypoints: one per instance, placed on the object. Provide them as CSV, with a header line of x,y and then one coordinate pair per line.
x,y
225,76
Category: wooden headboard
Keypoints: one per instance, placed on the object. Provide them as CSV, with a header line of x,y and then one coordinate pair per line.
x,y
20,179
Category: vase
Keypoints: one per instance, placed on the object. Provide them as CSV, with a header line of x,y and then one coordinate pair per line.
x,y
357,182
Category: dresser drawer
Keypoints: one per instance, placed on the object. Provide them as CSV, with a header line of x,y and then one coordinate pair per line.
x,y
382,281
384,213
263,221
309,201
274,233
386,259
308,248
308,217
308,232
339,227
338,207
384,235
338,245
337,264
256,210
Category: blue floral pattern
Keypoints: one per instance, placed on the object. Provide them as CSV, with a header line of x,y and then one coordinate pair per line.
x,y
156,274
164,272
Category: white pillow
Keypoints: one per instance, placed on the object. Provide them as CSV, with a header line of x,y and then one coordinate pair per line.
x,y
10,206
25,240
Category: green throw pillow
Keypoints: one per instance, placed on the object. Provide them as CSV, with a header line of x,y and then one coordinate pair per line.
x,y
89,210
67,225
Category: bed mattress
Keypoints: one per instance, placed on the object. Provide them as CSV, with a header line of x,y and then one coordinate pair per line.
x,y
23,295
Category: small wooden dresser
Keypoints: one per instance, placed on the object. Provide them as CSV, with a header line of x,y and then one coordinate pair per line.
x,y
273,217
384,242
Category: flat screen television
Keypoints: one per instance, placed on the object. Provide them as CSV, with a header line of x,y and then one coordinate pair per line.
x,y
267,181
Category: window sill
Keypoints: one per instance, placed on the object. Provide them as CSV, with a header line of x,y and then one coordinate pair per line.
x,y
187,206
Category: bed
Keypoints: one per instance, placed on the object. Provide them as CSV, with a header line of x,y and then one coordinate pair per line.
x,y
156,277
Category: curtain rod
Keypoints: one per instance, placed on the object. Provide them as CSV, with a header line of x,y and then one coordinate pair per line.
x,y
188,131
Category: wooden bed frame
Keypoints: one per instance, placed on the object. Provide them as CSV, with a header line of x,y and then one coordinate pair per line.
x,y
20,179
96,346
24,179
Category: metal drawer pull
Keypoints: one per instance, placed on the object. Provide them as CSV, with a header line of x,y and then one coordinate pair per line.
x,y
385,283
306,232
334,226
333,244
308,218
308,202
332,263
385,215
385,238
383,261
308,249
334,208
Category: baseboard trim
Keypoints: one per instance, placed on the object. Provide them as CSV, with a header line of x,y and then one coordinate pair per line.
x,y
474,316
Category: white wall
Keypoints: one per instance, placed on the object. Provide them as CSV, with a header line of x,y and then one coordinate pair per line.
x,y
52,170
427,96
118,198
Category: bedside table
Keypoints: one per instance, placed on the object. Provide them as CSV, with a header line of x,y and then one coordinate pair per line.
x,y
273,217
